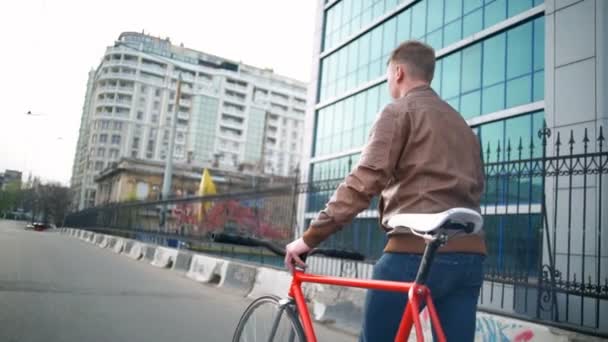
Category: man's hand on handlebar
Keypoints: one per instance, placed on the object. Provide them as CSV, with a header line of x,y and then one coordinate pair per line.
x,y
293,252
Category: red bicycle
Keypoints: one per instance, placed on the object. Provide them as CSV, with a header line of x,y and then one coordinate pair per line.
x,y
289,317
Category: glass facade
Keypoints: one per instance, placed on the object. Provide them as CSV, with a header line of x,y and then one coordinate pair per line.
x,y
255,134
500,72
494,72
205,121
364,59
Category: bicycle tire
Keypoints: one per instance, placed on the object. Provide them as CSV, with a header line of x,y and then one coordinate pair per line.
x,y
271,302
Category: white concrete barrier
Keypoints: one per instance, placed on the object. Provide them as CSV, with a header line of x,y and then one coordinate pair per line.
x,y
341,306
237,277
183,261
136,251
128,246
118,245
270,281
103,242
148,252
164,257
205,269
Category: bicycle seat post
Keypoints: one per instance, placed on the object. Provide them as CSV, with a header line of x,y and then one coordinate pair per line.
x,y
428,256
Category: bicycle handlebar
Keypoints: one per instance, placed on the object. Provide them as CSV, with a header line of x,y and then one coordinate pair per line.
x,y
280,251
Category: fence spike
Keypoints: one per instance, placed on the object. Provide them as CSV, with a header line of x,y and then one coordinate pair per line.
x,y
586,140
520,148
508,149
571,141
488,152
600,138
558,142
498,150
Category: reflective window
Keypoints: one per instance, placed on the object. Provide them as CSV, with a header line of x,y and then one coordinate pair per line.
x,y
439,23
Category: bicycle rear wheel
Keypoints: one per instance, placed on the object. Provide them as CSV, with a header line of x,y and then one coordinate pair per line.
x,y
267,320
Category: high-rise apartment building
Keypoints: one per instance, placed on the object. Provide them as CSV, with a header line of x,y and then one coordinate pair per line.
x,y
229,113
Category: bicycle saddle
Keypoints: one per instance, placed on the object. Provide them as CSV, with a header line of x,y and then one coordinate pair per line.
x,y
427,225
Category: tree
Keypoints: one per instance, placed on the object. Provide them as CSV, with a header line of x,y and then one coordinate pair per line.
x,y
10,197
54,200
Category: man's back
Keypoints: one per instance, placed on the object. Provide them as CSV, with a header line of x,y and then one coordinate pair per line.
x,y
439,166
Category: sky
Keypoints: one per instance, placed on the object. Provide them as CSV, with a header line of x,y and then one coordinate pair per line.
x,y
48,47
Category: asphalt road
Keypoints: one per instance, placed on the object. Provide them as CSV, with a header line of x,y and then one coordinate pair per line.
x,y
58,288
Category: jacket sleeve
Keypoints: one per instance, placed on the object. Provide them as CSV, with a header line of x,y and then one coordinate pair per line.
x,y
368,178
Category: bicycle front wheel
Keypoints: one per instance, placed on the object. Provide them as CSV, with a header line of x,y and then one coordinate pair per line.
x,y
267,320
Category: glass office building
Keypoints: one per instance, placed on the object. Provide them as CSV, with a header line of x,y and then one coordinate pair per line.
x,y
490,67
512,68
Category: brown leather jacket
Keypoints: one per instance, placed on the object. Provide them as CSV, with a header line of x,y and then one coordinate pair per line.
x,y
421,157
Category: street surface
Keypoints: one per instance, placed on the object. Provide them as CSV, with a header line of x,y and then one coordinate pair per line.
x,y
57,288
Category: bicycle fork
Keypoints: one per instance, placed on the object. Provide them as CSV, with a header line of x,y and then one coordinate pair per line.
x,y
283,303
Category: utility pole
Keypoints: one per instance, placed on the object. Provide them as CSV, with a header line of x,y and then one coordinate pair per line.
x,y
168,176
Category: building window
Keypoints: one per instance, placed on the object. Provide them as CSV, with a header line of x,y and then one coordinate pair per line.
x,y
94,138
115,139
98,165
113,153
135,142
154,118
105,124
156,105
157,92
101,152
103,138
134,154
117,125
456,20
140,115
142,88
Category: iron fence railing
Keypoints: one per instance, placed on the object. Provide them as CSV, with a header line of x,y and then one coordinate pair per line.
x,y
543,208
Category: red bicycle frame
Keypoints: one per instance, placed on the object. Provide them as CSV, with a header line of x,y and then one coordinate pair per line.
x,y
417,296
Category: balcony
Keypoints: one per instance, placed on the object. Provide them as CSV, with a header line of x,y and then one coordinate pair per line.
x,y
235,86
105,102
185,102
185,76
233,111
125,89
236,99
153,68
183,116
124,102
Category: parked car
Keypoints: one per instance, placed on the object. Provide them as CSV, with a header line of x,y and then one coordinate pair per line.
x,y
38,226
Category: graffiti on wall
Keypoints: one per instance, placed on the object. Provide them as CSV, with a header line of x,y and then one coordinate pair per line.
x,y
488,329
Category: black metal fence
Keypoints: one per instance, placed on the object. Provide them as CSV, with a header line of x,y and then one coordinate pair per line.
x,y
543,209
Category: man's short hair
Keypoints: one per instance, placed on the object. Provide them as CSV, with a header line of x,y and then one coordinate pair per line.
x,y
418,57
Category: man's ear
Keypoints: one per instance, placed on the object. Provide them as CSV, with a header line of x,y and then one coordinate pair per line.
x,y
400,72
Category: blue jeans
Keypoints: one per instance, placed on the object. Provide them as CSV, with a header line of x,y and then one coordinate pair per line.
x,y
454,280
